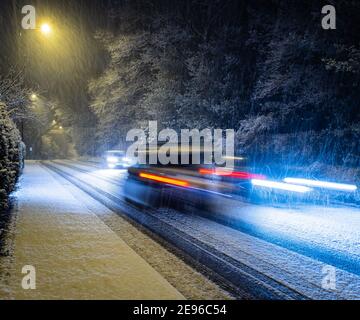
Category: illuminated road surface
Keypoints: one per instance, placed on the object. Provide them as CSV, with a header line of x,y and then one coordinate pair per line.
x,y
296,244
302,248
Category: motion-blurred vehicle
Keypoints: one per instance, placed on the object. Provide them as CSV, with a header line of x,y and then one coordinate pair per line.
x,y
116,159
196,184
205,186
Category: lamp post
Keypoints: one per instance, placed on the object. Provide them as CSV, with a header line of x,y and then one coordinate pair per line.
x,y
46,30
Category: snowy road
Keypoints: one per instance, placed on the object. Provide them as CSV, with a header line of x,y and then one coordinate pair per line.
x,y
297,247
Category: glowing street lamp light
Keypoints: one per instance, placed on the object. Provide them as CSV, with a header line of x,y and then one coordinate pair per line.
x,y
33,96
45,29
60,127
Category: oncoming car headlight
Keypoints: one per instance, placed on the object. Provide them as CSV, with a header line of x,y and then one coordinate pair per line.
x,y
112,159
280,186
322,184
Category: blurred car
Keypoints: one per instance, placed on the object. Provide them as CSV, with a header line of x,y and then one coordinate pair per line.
x,y
198,185
205,186
116,159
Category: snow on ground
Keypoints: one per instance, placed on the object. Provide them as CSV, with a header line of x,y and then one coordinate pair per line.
x,y
270,239
330,234
188,281
75,254
296,271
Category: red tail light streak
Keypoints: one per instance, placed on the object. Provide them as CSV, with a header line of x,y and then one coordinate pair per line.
x,y
232,174
163,179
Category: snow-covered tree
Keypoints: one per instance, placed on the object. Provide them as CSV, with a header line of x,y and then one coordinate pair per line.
x,y
266,70
15,95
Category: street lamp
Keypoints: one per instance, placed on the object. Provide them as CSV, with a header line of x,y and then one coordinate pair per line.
x,y
33,96
45,29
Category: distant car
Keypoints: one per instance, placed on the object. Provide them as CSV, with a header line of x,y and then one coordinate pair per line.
x,y
116,159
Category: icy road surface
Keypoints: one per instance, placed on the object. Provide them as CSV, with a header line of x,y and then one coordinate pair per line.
x,y
76,256
295,245
329,234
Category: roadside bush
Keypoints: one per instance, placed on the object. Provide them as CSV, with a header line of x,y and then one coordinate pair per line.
x,y
11,156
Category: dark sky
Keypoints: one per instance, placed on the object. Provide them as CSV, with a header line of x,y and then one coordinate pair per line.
x,y
84,15
59,66
62,65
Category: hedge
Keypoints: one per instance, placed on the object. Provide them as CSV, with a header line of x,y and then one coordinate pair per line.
x,y
11,156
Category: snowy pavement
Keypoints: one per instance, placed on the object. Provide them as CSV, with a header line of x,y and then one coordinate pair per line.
x,y
75,255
